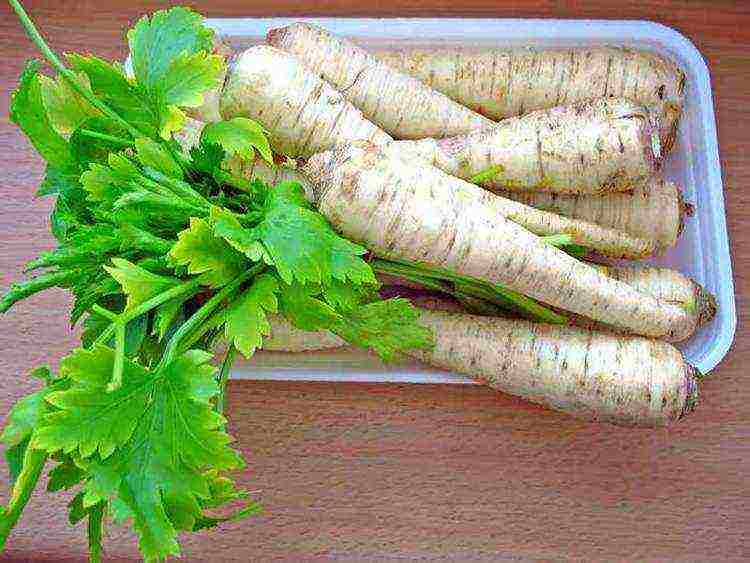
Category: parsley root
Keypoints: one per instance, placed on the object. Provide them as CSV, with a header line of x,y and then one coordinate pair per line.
x,y
668,286
588,147
400,104
302,113
620,379
414,211
502,83
597,376
654,211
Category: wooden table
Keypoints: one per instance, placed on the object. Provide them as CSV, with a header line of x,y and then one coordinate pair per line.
x,y
393,472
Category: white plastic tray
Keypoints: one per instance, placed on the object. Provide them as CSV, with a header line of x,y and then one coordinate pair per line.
x,y
703,251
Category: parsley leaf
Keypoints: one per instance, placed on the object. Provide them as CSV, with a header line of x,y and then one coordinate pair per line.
x,y
388,327
110,85
28,112
138,284
157,41
203,253
238,136
300,242
154,155
155,462
300,304
246,321
65,108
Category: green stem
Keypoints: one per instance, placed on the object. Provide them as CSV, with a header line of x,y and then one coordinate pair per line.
x,y
96,517
487,174
216,320
33,462
558,240
241,184
99,310
119,362
203,313
69,77
104,137
472,287
127,316
223,376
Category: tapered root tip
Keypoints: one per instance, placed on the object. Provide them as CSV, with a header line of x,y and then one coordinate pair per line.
x,y
692,376
275,36
707,306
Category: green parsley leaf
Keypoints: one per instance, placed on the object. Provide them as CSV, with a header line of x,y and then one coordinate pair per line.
x,y
347,297
227,226
159,470
388,327
28,112
302,244
64,475
66,109
138,284
188,77
299,303
238,136
246,321
203,253
152,154
88,149
158,41
110,85
20,291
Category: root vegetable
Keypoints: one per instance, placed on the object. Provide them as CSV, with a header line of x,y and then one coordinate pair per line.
x,y
591,375
502,83
653,211
413,211
302,113
590,147
668,286
400,104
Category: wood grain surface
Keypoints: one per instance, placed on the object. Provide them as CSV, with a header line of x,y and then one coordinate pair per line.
x,y
359,472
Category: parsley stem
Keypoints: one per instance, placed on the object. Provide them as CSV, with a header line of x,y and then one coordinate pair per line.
x,y
67,74
223,376
119,362
33,463
104,137
99,310
96,516
558,240
203,313
126,316
472,287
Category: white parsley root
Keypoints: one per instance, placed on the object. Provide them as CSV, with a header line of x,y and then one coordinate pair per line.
x,y
302,113
400,104
589,147
502,83
654,211
415,212
592,375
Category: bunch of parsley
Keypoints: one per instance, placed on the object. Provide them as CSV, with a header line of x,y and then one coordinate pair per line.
x,y
166,254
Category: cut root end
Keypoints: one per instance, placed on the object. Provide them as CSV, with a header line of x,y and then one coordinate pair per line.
x,y
692,377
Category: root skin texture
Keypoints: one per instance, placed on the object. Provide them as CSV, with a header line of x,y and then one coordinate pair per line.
x,y
501,83
413,211
400,104
595,376
302,113
654,211
589,147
